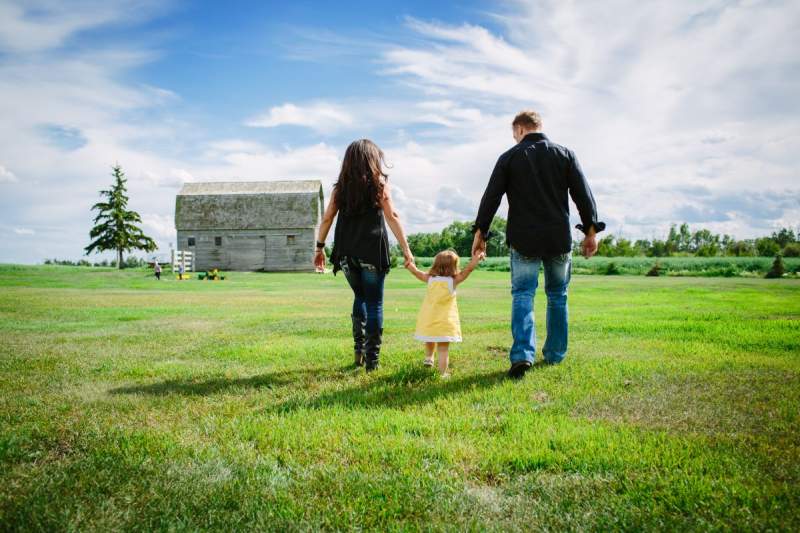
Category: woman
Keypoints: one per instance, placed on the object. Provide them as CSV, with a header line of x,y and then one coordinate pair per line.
x,y
360,244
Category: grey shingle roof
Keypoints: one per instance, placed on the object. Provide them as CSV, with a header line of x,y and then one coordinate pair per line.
x,y
250,187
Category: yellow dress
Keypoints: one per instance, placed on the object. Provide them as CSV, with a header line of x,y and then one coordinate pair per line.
x,y
438,318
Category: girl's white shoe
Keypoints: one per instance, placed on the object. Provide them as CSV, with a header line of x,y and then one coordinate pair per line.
x,y
428,361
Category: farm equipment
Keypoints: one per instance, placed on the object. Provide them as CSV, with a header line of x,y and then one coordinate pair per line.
x,y
211,275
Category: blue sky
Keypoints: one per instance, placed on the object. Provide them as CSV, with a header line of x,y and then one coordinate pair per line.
x,y
678,111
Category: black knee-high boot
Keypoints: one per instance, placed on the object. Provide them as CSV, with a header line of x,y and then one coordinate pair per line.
x,y
359,337
373,349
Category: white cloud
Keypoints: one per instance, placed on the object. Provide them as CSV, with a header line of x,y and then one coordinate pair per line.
x,y
6,176
24,231
632,102
319,116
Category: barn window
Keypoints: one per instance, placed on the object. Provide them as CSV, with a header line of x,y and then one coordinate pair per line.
x,y
217,241
191,241
290,239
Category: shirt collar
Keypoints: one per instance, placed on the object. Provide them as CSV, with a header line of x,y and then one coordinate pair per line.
x,y
535,136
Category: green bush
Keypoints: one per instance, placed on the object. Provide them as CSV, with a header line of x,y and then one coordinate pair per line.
x,y
791,250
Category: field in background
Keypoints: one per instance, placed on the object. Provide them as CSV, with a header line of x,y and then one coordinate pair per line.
x,y
128,403
670,266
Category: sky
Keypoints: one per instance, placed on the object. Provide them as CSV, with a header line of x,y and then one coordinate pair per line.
x,y
681,111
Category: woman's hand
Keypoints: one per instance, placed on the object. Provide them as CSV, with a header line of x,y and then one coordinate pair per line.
x,y
319,260
409,258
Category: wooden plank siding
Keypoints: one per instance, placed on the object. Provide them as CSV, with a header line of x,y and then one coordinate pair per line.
x,y
268,250
269,226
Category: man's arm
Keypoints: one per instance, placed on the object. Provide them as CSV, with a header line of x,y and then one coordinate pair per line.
x,y
581,194
490,201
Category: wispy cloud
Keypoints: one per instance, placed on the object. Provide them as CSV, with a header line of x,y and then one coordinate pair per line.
x,y
320,117
6,176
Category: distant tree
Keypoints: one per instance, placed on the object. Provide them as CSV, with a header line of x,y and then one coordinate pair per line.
x,y
784,237
115,225
765,247
497,246
791,250
778,268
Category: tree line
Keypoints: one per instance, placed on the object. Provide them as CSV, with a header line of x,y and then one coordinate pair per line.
x,y
681,241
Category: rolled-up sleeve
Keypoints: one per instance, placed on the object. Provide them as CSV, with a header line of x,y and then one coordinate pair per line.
x,y
492,196
581,194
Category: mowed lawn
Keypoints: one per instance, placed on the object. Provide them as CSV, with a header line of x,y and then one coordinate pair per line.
x,y
131,404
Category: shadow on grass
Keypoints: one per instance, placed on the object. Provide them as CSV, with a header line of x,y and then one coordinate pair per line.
x,y
408,386
204,387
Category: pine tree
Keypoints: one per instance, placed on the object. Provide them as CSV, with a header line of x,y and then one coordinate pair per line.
x,y
116,226
778,269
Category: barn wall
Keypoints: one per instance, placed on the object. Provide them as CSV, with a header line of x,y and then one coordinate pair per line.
x,y
247,211
245,250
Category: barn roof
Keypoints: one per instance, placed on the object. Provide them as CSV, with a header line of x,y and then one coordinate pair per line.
x,y
245,205
251,187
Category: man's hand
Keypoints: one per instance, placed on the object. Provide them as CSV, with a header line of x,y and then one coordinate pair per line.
x,y
478,243
319,260
589,244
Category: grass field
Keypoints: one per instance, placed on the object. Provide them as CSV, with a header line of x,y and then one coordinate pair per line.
x,y
131,404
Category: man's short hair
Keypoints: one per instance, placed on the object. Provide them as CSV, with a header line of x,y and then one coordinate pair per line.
x,y
529,120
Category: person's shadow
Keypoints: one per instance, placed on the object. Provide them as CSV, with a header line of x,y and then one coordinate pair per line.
x,y
204,387
406,386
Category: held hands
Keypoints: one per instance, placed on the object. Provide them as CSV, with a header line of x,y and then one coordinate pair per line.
x,y
478,244
408,258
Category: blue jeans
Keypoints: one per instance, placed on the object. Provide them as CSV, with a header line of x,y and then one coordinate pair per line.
x,y
367,284
524,280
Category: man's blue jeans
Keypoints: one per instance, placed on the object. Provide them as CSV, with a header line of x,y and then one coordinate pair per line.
x,y
367,284
524,280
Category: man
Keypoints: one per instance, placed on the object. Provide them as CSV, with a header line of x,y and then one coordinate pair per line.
x,y
537,176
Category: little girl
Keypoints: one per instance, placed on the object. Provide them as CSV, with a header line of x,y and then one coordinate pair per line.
x,y
438,324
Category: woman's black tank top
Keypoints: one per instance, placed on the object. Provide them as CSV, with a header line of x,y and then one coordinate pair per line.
x,y
361,236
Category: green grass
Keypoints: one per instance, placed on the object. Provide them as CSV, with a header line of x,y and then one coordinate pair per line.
x,y
131,404
670,266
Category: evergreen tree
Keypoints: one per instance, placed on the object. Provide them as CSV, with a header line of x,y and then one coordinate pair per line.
x,y
115,225
778,269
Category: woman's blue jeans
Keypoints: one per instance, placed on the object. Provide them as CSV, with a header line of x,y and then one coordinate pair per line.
x,y
367,284
524,280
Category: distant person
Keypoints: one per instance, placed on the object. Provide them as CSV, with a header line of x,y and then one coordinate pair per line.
x,y
157,270
537,176
361,197
438,323
181,270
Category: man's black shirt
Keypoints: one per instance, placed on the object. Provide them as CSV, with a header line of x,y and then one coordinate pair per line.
x,y
537,175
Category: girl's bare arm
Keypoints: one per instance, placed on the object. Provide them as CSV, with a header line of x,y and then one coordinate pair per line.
x,y
420,275
464,274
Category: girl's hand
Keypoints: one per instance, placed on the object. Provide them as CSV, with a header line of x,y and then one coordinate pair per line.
x,y
319,260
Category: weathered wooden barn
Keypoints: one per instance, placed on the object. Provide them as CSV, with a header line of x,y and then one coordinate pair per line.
x,y
252,225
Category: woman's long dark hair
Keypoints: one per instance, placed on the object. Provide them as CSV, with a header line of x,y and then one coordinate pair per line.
x,y
360,184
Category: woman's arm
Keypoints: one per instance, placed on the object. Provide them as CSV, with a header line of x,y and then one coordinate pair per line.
x,y
393,220
419,274
464,274
324,228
